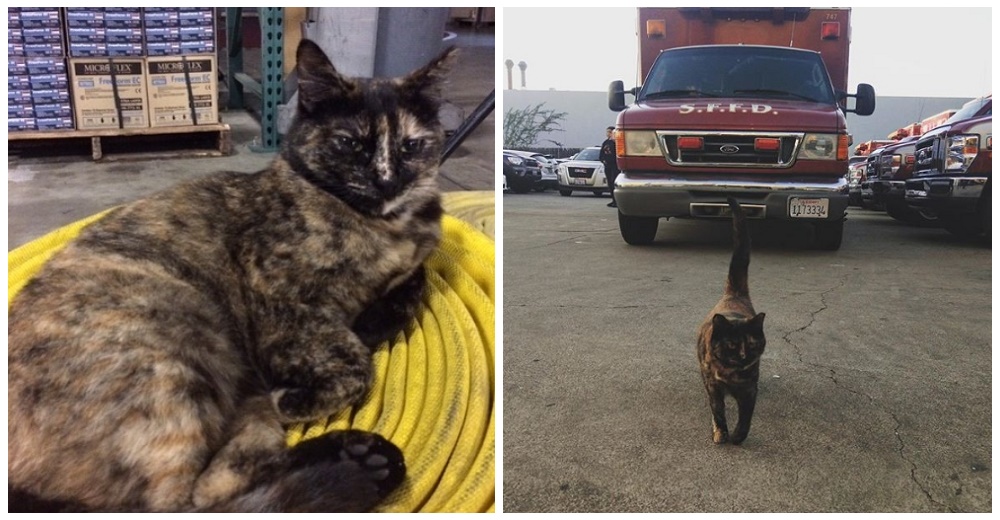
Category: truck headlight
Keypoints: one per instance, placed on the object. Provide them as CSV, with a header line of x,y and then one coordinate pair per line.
x,y
640,143
819,146
961,150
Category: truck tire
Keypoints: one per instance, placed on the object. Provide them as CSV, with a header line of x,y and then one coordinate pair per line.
x,y
637,231
519,185
565,193
829,235
914,217
986,210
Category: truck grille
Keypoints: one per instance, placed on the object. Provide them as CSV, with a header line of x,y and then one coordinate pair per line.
x,y
731,149
580,173
925,156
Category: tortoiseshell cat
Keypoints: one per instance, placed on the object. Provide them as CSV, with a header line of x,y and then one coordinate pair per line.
x,y
731,342
153,362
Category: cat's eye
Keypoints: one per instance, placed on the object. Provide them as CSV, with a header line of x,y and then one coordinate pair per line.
x,y
347,143
413,145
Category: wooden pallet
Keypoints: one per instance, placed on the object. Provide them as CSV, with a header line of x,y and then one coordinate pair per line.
x,y
128,143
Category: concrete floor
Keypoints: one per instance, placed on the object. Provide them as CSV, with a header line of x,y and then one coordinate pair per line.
x,y
53,190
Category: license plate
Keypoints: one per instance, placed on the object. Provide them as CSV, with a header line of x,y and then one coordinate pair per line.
x,y
579,181
808,208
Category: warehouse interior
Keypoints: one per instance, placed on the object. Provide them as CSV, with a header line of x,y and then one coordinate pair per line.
x,y
53,181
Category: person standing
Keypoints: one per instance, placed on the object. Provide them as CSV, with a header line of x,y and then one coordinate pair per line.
x,y
609,159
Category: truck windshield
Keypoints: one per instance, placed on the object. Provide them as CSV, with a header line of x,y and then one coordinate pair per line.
x,y
739,72
588,154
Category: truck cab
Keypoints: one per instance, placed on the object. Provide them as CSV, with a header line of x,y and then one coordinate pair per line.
x,y
954,165
737,115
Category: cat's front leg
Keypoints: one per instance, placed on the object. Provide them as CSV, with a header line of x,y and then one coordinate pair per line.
x,y
746,399
392,312
317,370
717,402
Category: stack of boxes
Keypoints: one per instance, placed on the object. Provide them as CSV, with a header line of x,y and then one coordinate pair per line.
x,y
181,68
104,31
128,67
38,96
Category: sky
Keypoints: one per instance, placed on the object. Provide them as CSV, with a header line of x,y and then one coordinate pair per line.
x,y
587,48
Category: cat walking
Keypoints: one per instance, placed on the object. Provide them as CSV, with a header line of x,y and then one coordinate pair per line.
x,y
731,342
154,362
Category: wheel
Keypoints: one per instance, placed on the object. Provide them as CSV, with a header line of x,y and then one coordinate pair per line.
x,y
637,231
519,185
986,210
912,216
565,193
598,193
829,235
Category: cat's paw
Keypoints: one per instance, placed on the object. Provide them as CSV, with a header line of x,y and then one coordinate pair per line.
x,y
720,436
294,404
739,437
374,457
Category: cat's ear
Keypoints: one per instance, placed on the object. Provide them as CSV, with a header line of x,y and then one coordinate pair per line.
x,y
432,74
319,81
720,323
757,322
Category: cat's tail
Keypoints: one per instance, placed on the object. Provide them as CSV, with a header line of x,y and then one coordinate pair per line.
x,y
737,284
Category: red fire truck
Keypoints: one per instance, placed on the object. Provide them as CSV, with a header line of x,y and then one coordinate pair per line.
x,y
737,102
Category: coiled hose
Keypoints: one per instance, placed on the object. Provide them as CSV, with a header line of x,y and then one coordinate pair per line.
x,y
433,391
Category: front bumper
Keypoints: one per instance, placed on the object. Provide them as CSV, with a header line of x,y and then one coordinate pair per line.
x,y
885,190
946,194
653,195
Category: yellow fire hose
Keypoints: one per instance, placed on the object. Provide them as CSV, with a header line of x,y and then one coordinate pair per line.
x,y
433,391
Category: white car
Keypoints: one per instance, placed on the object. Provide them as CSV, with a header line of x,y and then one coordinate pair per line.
x,y
583,172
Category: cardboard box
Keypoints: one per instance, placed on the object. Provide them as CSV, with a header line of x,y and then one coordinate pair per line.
x,y
122,18
41,35
124,49
162,48
39,17
171,99
18,82
20,124
44,49
48,81
45,65
85,50
53,110
20,111
54,123
94,96
84,17
87,35
16,65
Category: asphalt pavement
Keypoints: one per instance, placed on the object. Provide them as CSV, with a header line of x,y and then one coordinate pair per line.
x,y
875,391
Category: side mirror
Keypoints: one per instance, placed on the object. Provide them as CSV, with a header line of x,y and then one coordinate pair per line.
x,y
616,96
864,100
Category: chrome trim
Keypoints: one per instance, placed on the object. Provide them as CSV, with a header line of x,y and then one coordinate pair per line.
x,y
840,185
661,134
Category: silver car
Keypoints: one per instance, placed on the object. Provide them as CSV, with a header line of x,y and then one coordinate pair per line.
x,y
583,172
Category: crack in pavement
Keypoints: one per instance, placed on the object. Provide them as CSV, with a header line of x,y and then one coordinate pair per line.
x,y
901,445
812,319
552,243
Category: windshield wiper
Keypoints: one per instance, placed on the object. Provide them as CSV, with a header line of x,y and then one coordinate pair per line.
x,y
679,92
774,92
